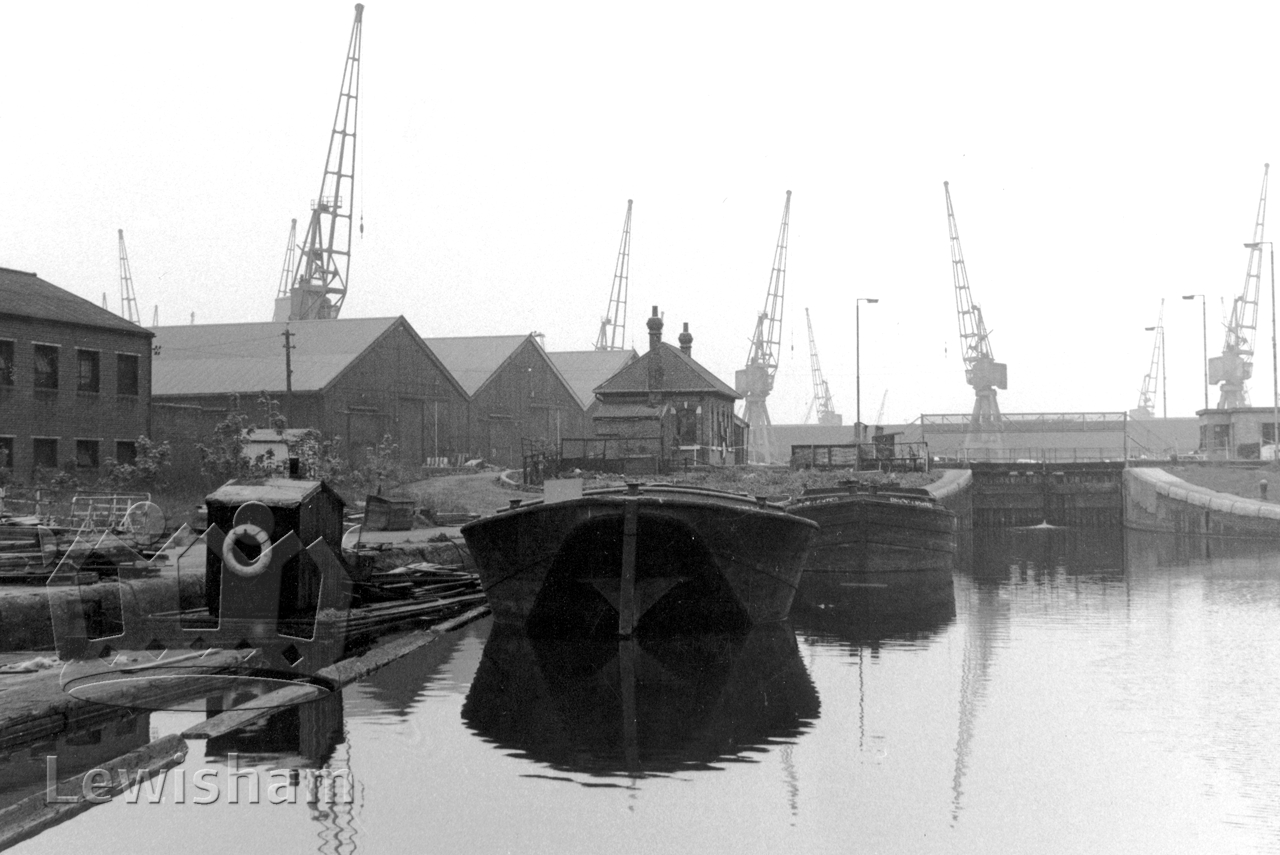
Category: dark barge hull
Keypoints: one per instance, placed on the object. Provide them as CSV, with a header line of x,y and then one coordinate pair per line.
x,y
699,560
879,553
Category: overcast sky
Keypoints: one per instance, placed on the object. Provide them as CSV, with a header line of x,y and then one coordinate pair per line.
x,y
1101,157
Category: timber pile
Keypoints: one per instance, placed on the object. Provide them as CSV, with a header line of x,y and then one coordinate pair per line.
x,y
420,591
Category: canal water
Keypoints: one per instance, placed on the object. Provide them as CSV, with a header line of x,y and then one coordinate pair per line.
x,y
1091,691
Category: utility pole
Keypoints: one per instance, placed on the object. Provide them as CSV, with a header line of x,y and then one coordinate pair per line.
x,y
1204,334
288,360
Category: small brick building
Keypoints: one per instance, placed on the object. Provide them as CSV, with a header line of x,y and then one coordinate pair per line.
x,y
669,395
75,380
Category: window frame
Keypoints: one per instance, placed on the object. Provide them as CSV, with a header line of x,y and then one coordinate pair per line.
x,y
121,358
56,349
8,371
81,353
7,441
89,444
35,456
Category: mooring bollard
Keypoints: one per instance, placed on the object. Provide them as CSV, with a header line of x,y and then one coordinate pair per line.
x,y
1262,488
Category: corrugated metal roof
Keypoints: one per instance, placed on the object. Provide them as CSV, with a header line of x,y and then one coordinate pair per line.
x,y
680,373
226,358
584,370
473,359
26,295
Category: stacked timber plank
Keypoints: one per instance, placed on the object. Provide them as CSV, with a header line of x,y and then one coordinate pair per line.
x,y
419,591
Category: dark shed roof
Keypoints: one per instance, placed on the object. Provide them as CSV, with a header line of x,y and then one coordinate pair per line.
x,y
26,295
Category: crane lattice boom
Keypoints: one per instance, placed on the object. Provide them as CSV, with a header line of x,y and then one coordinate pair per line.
x,y
128,302
981,371
287,269
1146,397
755,381
613,326
1235,366
320,287
821,391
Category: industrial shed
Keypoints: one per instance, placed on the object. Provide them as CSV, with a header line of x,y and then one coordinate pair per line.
x,y
75,380
584,370
359,379
519,399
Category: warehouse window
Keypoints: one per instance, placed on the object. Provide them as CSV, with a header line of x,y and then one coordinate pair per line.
x,y
126,374
6,452
45,357
87,453
126,453
6,363
87,367
44,452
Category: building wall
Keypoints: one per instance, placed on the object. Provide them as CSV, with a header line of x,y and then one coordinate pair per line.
x,y
697,428
66,415
396,389
525,399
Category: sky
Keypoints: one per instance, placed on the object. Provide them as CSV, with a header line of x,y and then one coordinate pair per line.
x,y
1101,157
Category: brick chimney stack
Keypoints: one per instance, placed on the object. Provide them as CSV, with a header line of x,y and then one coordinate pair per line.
x,y
686,341
655,329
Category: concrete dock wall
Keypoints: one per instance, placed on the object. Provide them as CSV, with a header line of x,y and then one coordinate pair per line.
x,y
955,491
1154,500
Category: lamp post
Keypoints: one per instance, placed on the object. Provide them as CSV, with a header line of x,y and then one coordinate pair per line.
x,y
1204,333
857,355
1164,374
1275,383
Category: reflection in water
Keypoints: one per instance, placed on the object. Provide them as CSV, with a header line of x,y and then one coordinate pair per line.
x,y
639,707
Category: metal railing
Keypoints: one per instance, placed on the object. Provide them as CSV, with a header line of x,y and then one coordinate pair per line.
x,y
863,456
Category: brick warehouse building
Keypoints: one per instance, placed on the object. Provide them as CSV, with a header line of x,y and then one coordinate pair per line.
x,y
517,394
356,378
75,379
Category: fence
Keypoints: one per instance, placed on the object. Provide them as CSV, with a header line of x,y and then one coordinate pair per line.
x,y
883,456
643,455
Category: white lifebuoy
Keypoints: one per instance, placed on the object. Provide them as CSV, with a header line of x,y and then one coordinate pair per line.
x,y
264,547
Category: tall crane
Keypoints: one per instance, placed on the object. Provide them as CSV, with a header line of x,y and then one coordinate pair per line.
x,y
755,381
981,371
289,266
613,326
1146,398
128,302
1235,365
821,391
320,287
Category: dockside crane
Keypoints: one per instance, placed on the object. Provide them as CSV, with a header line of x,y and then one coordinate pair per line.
x,y
289,267
755,381
981,371
320,287
827,414
613,326
1155,374
128,302
1235,366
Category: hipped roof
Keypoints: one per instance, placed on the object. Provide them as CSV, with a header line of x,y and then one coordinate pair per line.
x,y
26,295
680,374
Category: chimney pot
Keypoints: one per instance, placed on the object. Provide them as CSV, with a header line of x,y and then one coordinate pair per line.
x,y
686,341
655,329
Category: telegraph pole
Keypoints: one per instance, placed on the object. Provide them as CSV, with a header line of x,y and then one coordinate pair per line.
x,y
288,360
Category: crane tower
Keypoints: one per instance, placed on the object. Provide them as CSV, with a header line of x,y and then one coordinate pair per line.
x,y
755,381
821,391
613,326
1235,365
128,302
1146,398
290,263
981,371
320,287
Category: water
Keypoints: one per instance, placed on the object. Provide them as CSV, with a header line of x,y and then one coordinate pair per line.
x,y
1092,691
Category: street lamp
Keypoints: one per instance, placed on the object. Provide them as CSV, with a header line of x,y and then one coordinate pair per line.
x,y
1275,384
857,356
1204,333
1164,374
